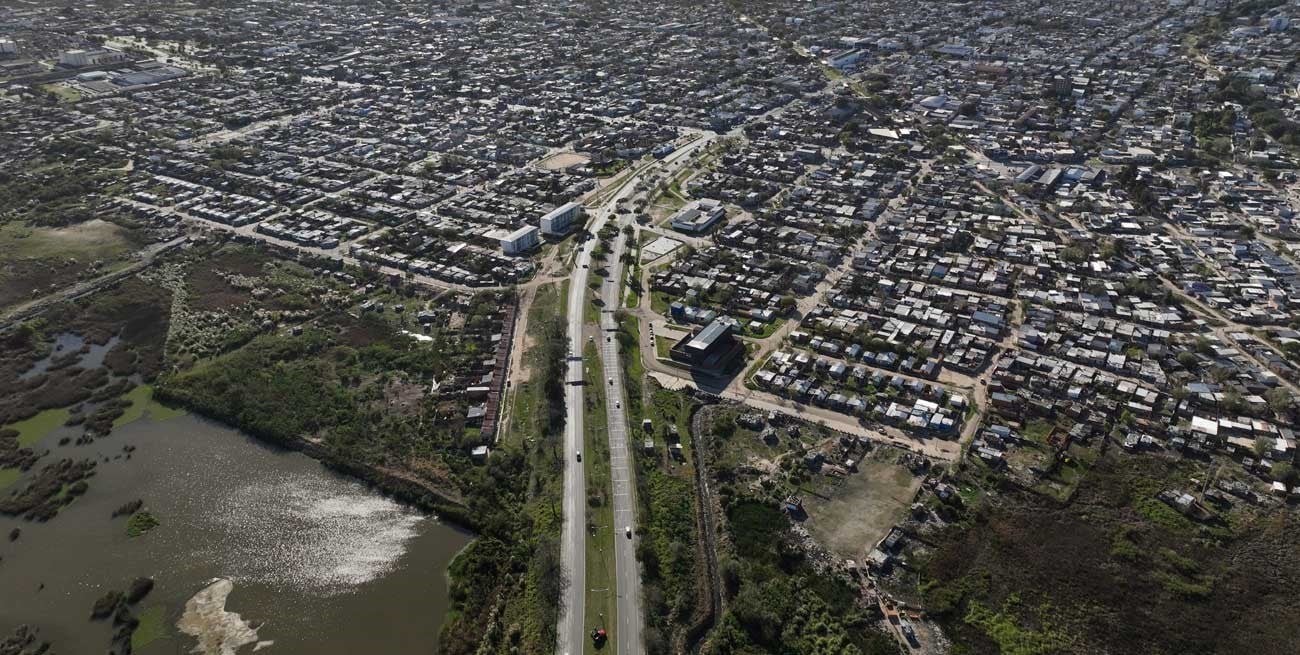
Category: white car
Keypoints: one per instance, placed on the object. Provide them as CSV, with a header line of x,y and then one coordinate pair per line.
x,y
579,455
628,531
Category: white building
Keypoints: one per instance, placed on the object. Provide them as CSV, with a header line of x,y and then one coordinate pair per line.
x,y
8,47
84,58
558,221
956,50
520,241
698,216
847,60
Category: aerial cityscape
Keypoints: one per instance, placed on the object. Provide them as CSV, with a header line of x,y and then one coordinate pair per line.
x,y
785,327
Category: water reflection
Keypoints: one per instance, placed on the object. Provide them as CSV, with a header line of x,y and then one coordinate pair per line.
x,y
316,561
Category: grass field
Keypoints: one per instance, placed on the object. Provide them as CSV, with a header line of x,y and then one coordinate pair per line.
x,y
34,259
63,92
768,330
35,428
8,477
601,602
142,402
664,345
526,413
862,507
613,187
92,239
659,302
527,427
664,207
629,340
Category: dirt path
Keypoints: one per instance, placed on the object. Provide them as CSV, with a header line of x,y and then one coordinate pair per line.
x,y
706,529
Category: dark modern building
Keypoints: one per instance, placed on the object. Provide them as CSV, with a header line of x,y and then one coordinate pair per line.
x,y
714,349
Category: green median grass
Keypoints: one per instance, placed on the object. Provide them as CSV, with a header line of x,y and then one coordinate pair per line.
x,y
601,589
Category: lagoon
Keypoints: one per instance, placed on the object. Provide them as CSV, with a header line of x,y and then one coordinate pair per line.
x,y
316,563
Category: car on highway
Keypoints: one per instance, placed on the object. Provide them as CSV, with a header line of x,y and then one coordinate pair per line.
x,y
628,531
618,404
611,380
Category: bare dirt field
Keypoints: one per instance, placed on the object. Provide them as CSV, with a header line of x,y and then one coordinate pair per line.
x,y
93,238
563,160
861,508
37,259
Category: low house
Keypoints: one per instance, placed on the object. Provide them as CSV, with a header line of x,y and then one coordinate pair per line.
x,y
479,453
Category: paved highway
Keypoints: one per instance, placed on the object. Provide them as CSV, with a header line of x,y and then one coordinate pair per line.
x,y
573,541
570,633
626,630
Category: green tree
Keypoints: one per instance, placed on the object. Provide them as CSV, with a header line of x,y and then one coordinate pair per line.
x,y
1074,254
723,425
1233,402
1279,399
1261,447
1286,473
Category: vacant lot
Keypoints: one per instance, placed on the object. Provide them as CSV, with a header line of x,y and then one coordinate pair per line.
x,y
563,160
63,92
861,508
93,239
36,259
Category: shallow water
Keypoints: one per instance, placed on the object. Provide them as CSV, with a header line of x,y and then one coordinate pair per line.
x,y
68,342
317,563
